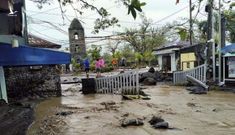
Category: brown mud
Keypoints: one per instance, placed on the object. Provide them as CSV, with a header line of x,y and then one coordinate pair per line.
x,y
187,114
16,117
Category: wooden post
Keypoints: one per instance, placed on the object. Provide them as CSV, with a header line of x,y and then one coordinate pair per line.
x,y
3,91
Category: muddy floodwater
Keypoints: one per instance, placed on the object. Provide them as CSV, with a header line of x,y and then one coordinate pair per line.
x,y
187,114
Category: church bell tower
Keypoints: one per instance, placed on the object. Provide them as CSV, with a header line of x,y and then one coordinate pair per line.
x,y
76,40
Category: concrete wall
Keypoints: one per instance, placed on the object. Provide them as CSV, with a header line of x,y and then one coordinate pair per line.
x,y
23,82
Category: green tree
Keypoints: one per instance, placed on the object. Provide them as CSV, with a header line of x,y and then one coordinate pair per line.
x,y
230,17
138,58
94,52
148,57
105,20
146,37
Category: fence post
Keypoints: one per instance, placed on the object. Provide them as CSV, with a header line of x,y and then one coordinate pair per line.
x,y
204,79
3,90
137,82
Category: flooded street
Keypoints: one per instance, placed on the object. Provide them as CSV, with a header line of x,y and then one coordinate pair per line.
x,y
187,114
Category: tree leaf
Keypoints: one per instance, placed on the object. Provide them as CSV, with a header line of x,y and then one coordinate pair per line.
x,y
138,8
232,5
133,12
142,4
129,10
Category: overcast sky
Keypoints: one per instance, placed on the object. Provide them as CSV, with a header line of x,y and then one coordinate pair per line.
x,y
159,11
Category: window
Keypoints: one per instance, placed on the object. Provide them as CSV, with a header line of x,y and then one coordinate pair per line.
x,y
76,36
188,64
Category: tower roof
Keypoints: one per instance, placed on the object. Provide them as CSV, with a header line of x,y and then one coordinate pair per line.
x,y
75,24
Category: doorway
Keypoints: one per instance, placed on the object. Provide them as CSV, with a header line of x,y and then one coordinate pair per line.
x,y
166,63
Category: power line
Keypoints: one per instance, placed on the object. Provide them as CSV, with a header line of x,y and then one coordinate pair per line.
x,y
44,21
86,18
172,14
43,12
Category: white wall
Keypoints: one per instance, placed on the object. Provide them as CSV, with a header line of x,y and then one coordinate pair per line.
x,y
160,61
173,62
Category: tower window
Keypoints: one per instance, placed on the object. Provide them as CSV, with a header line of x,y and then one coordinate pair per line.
x,y
76,36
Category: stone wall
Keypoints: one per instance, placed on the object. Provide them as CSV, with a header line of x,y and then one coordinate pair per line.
x,y
25,82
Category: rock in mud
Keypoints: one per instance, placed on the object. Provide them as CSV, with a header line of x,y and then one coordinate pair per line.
x,y
145,75
191,104
126,97
155,120
161,125
64,113
87,117
132,122
158,122
215,110
2,102
149,81
151,70
108,103
125,115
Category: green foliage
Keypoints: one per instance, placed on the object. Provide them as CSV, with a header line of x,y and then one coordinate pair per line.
x,y
75,65
202,26
117,55
133,6
230,25
148,57
128,53
94,52
138,57
107,57
183,33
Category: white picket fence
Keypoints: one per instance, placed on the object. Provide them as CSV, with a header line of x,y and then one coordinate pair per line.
x,y
199,73
124,83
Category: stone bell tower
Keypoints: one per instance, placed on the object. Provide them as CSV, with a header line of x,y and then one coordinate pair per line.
x,y
76,40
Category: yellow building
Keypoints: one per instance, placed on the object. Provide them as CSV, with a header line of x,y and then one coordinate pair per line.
x,y
191,56
187,60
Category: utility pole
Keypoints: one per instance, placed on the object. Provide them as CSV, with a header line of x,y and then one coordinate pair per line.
x,y
209,10
223,27
25,24
219,44
190,23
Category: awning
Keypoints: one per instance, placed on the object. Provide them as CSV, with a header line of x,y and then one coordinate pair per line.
x,y
25,55
229,55
228,48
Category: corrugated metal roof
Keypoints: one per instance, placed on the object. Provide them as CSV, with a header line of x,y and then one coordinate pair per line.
x,y
41,43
